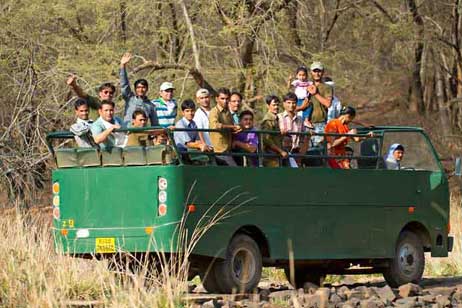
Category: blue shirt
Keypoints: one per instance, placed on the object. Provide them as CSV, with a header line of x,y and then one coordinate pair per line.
x,y
182,138
133,102
113,139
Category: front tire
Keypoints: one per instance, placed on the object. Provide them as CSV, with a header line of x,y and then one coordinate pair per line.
x,y
408,263
241,269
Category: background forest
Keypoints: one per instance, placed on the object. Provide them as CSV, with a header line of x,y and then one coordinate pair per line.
x,y
392,55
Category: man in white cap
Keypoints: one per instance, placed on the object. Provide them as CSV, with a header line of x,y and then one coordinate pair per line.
x,y
166,106
320,98
201,117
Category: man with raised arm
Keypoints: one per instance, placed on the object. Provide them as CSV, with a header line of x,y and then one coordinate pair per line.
x,y
320,99
138,99
105,92
272,143
220,118
201,117
103,128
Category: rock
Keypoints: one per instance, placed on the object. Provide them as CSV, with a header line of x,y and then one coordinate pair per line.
x,y
406,302
265,295
212,304
442,291
309,287
335,299
457,296
312,301
385,294
372,302
409,289
442,301
354,294
283,295
427,299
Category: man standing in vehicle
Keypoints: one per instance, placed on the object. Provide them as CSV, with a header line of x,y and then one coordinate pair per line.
x,y
234,106
201,117
272,143
103,128
290,122
320,99
105,92
220,118
81,128
166,106
137,100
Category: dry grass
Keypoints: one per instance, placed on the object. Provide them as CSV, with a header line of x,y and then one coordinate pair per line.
x,y
33,275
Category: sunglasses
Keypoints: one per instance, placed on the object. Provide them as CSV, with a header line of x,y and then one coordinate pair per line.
x,y
316,71
108,92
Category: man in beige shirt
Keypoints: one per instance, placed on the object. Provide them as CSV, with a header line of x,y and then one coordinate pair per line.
x,y
220,118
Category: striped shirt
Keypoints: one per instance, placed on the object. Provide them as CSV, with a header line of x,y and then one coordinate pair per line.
x,y
291,124
166,111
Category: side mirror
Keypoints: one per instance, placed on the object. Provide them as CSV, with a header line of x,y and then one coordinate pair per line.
x,y
458,167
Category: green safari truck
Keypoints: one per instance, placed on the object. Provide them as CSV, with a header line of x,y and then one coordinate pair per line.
x,y
311,221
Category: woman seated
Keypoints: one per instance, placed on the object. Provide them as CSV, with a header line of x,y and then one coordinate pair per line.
x,y
394,157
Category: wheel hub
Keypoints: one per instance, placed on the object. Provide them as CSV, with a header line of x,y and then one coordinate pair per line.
x,y
244,265
407,256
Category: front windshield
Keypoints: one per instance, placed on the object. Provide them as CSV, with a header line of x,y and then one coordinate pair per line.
x,y
417,154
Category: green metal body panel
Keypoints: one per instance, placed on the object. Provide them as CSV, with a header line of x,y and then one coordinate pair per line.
x,y
322,213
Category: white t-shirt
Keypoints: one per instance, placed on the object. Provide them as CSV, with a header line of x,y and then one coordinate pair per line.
x,y
300,88
201,117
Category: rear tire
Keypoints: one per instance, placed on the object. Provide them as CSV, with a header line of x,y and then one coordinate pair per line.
x,y
241,269
303,275
408,263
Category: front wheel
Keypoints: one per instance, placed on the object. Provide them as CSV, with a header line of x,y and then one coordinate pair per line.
x,y
241,269
408,263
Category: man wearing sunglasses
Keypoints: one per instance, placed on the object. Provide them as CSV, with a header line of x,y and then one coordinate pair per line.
x,y
138,99
320,98
105,92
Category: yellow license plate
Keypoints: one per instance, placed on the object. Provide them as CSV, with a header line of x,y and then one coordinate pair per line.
x,y
105,245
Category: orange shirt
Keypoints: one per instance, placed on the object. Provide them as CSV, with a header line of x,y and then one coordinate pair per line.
x,y
336,126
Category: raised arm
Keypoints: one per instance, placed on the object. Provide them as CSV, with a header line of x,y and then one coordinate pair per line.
x,y
72,83
124,83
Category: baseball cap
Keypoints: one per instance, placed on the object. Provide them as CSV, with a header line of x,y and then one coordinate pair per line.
x,y
202,92
316,65
166,85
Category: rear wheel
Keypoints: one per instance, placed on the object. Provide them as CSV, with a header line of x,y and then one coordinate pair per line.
x,y
304,274
408,263
241,269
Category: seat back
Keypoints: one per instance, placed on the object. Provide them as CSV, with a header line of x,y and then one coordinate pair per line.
x,y
112,156
88,157
369,147
66,158
134,156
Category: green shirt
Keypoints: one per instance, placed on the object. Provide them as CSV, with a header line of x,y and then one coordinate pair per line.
x,y
319,110
270,122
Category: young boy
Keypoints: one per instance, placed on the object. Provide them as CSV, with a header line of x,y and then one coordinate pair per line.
x,y
185,140
247,140
139,119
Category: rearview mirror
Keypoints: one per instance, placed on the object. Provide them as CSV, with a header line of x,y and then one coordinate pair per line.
x,y
458,167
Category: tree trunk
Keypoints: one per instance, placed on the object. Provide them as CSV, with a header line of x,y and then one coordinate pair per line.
x,y
123,21
294,38
416,103
443,106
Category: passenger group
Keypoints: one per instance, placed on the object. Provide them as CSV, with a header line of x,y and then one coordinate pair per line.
x,y
309,110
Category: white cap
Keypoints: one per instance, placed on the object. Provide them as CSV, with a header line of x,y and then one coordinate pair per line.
x,y
202,92
316,66
166,85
